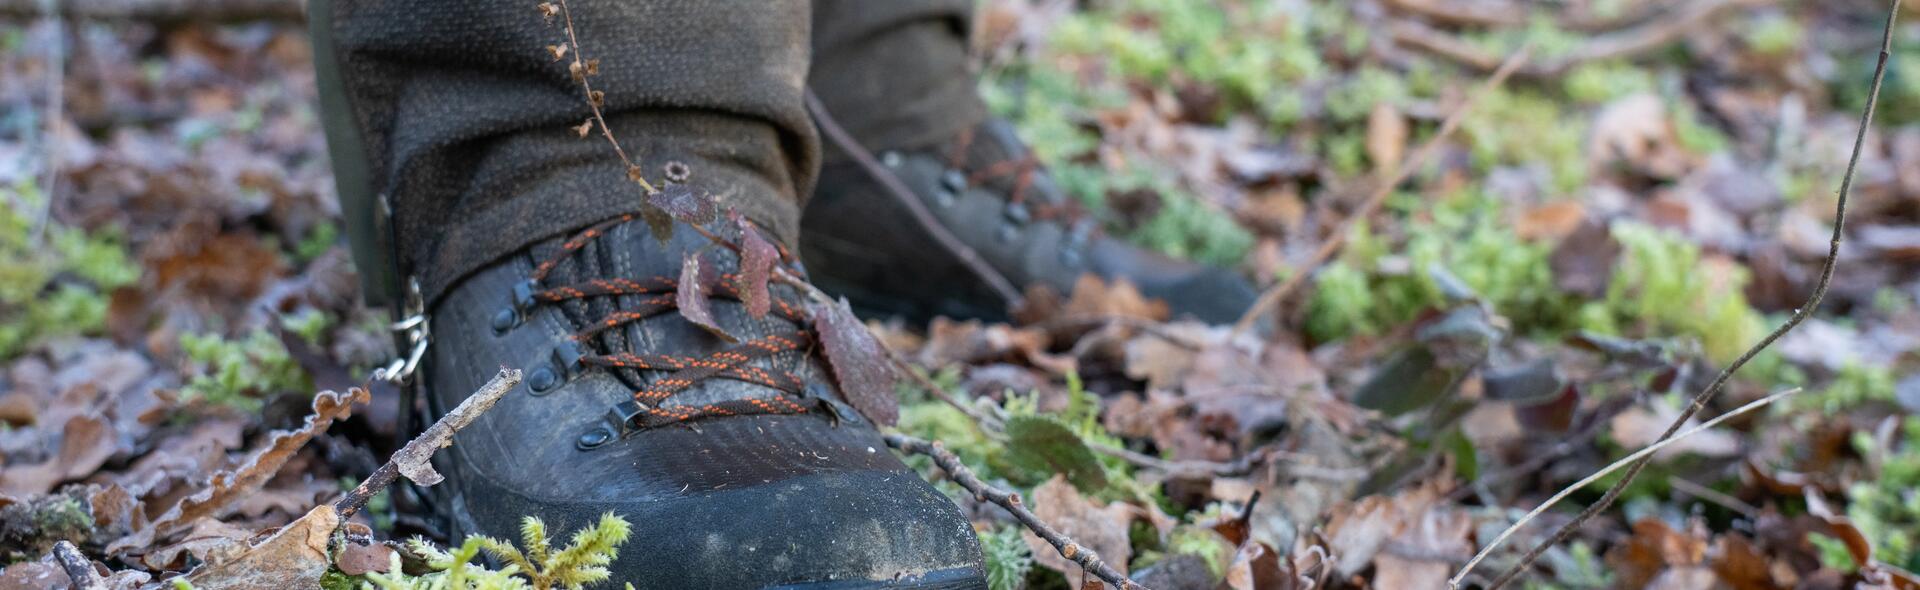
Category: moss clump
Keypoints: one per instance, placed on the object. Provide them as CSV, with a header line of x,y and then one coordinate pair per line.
x,y
1658,288
1522,127
583,561
29,529
1887,508
58,284
240,374
1008,557
1464,238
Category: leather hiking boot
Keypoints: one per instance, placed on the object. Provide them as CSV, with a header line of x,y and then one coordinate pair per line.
x,y
996,206
738,465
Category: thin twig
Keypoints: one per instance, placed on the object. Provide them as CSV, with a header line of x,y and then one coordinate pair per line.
x,y
78,567
1799,315
413,459
1637,458
1279,293
1686,486
1654,34
57,51
960,474
905,197
580,71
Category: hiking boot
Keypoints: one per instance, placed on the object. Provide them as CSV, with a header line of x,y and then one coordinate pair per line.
x,y
739,465
984,199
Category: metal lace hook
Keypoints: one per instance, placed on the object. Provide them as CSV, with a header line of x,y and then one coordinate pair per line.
x,y
418,333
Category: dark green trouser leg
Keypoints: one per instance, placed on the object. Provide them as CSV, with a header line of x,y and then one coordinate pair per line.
x,y
420,104
452,114
368,231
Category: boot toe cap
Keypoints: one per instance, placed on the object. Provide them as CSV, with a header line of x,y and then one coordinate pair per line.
x,y
850,529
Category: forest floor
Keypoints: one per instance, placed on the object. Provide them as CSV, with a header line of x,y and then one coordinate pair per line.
x,y
1645,198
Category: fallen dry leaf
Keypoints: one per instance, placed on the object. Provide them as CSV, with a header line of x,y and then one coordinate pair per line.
x,y
1640,426
226,487
1102,528
295,557
1652,550
860,366
85,444
1387,132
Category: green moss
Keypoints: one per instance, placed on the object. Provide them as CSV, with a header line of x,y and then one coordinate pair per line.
x,y
1008,557
309,324
1887,508
1465,238
240,373
1658,287
538,565
1186,228
1775,35
1852,386
1353,99
1695,135
1602,82
56,286
1522,127
318,240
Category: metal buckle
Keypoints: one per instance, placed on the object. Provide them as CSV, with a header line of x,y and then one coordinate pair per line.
x,y
418,333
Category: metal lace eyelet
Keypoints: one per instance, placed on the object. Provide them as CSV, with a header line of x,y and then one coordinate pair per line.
x,y
1018,213
542,380
954,181
595,438
504,321
890,158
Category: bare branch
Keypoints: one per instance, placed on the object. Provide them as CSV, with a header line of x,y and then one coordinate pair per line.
x,y
583,69
1799,315
1652,35
78,567
412,459
1279,293
960,474
1640,455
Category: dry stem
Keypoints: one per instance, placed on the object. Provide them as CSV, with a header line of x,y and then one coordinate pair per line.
x,y
1279,293
412,459
1011,502
1636,457
580,74
1701,399
1657,32
78,567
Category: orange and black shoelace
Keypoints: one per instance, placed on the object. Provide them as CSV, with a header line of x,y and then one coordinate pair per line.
x,y
648,408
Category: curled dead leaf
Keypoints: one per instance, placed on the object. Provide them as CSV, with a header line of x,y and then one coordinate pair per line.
x,y
226,487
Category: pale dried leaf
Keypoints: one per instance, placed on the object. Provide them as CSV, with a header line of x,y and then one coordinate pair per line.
x,y
228,486
1387,132
295,557
1100,527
